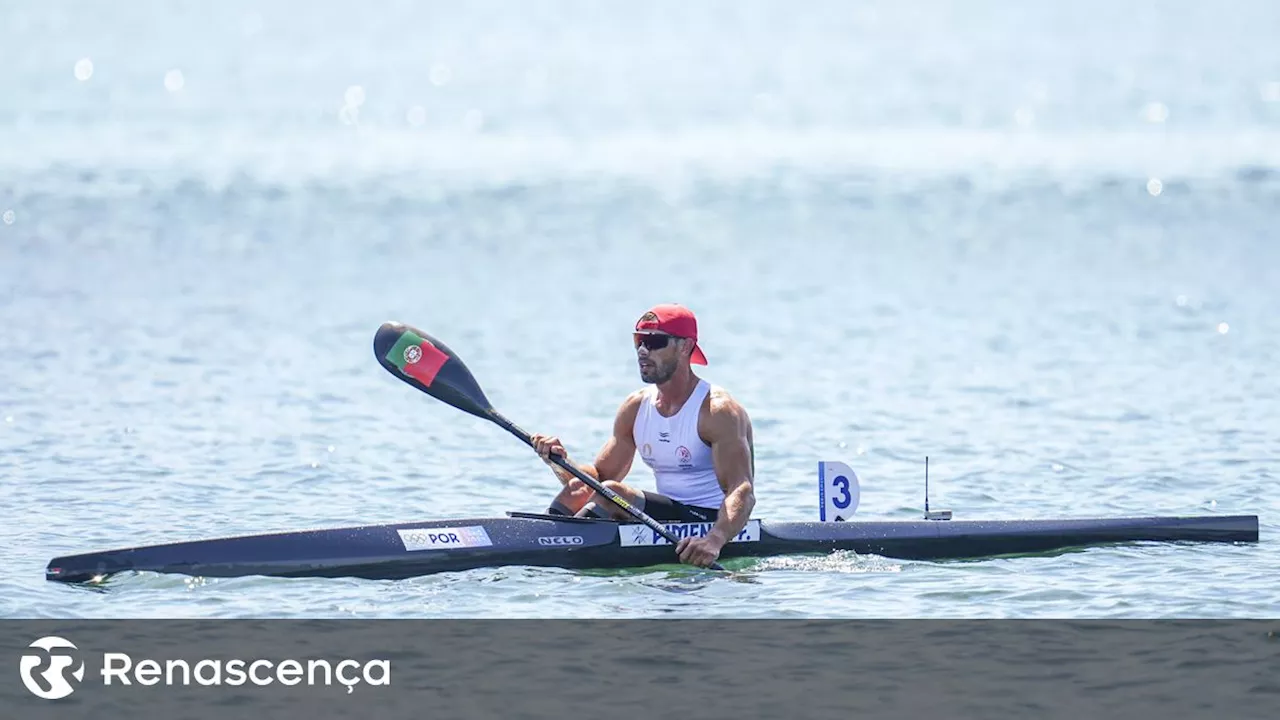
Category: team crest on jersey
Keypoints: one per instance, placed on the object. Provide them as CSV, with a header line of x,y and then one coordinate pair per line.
x,y
684,456
646,450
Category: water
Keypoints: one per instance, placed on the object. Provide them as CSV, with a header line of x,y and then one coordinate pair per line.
x,y
1037,244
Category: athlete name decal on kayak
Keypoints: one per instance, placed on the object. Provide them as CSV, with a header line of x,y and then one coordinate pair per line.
x,y
643,536
560,540
417,357
445,538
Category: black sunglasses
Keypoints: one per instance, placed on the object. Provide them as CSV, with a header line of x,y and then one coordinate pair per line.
x,y
652,341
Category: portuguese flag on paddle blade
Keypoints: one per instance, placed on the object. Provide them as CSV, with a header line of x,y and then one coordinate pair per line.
x,y
417,358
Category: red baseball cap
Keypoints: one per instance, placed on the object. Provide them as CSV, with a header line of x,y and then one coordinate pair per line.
x,y
676,320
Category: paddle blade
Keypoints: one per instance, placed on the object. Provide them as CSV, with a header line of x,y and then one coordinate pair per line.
x,y
430,366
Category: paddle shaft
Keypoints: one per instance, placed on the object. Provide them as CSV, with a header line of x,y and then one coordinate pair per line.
x,y
592,483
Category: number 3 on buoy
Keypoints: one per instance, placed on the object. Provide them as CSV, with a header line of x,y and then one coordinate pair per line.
x,y
838,491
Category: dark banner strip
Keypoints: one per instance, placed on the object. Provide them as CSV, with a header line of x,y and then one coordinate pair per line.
x,y
657,668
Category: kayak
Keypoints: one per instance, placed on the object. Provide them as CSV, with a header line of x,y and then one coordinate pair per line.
x,y
405,550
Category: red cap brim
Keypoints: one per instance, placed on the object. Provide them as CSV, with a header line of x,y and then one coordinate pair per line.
x,y
696,357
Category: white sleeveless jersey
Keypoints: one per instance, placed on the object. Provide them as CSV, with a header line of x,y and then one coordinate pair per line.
x,y
671,447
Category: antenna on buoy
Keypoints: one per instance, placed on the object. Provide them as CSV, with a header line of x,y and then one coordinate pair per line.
x,y
931,514
926,484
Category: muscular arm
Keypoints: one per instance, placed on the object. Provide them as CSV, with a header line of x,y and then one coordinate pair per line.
x,y
727,429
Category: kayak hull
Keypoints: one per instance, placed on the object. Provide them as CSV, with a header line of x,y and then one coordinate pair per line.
x,y
398,551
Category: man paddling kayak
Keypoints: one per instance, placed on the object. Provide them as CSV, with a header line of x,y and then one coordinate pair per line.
x,y
694,436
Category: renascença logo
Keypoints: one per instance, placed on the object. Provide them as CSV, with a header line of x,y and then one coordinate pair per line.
x,y
118,668
55,684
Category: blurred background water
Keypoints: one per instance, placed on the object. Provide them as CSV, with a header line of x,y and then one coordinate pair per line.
x,y
1035,242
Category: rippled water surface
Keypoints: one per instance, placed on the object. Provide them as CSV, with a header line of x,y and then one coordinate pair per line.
x,y
1037,244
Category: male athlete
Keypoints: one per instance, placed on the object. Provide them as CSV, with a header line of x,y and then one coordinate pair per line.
x,y
694,436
